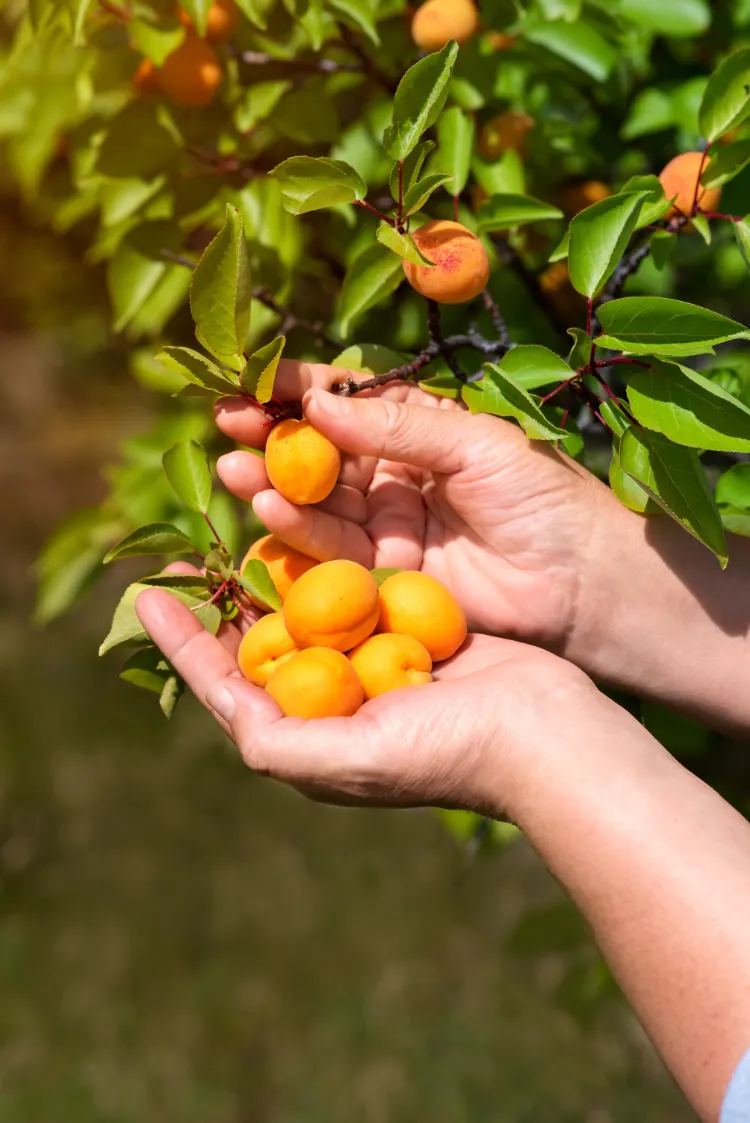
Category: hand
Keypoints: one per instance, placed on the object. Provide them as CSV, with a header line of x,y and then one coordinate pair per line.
x,y
506,523
452,743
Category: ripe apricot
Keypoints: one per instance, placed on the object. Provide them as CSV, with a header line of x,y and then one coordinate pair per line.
x,y
507,130
264,648
461,268
221,24
191,75
284,563
414,604
333,605
145,79
555,282
318,682
302,464
579,196
389,661
680,177
436,22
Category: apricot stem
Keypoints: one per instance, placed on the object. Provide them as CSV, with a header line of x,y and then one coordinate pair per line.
x,y
213,530
369,207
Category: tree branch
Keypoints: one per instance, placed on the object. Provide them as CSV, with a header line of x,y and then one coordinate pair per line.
x,y
298,65
290,321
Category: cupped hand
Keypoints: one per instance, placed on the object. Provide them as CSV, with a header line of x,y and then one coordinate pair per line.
x,y
505,522
456,742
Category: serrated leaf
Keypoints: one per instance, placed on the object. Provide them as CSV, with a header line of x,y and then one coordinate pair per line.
x,y
381,575
126,627
259,374
198,370
531,366
371,278
419,192
502,212
455,130
688,408
220,293
728,162
310,183
186,468
401,244
646,325
726,102
674,478
147,669
412,167
420,97
153,538
256,579
598,237
499,394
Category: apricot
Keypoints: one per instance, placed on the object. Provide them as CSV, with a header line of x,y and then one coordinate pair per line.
x,y
436,22
579,196
555,282
680,177
285,564
414,604
222,22
145,79
191,75
389,661
301,463
333,605
264,648
508,130
461,268
317,682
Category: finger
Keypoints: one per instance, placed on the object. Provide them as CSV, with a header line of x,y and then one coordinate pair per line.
x,y
312,531
184,569
396,521
229,634
244,474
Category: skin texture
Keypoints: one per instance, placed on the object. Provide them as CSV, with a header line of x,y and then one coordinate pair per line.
x,y
680,177
316,683
302,464
191,75
436,22
334,605
285,564
389,662
264,648
460,268
415,604
579,196
223,20
507,130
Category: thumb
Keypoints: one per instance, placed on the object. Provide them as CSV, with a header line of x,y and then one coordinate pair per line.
x,y
422,436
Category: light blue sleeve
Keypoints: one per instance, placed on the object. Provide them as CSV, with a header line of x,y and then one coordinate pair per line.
x,y
736,1108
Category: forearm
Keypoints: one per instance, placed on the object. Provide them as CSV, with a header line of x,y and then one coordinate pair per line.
x,y
658,617
660,867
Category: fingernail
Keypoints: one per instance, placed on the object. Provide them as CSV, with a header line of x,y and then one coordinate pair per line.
x,y
330,404
221,700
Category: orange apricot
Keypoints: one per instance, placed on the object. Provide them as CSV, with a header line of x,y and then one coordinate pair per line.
x,y
500,40
285,564
460,267
191,75
681,177
555,282
301,463
221,23
388,661
318,682
417,605
264,648
333,605
145,79
507,130
579,196
436,22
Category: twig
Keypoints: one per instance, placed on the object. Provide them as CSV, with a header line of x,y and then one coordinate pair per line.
x,y
296,65
178,259
629,265
290,321
498,322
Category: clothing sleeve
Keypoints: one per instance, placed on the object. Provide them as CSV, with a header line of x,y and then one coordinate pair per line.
x,y
736,1107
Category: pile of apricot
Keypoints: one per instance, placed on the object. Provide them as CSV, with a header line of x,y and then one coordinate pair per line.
x,y
339,639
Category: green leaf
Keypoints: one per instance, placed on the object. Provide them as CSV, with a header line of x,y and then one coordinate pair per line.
x,y
259,374
71,560
137,268
579,44
154,538
126,627
504,176
659,325
630,493
652,111
580,352
598,237
532,366
420,97
688,408
560,252
412,167
256,579
78,10
728,162
311,183
419,192
401,244
255,12
726,102
258,103
358,13
369,358
147,669
371,279
499,394
733,488
198,370
381,575
654,205
703,226
502,212
220,293
186,468
153,41
674,478
735,519
198,11
663,245
678,18
455,130
742,234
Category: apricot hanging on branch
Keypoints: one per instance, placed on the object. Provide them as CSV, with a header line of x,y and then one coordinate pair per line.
x,y
439,21
507,130
460,268
302,464
681,178
191,75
